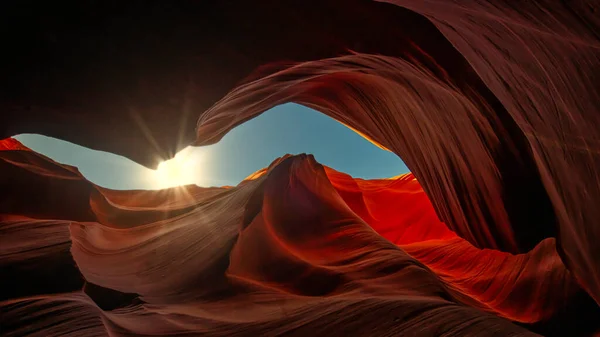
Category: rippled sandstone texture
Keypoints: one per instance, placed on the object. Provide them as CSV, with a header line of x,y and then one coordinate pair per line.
x,y
492,105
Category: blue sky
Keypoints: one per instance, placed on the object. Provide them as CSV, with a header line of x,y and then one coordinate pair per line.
x,y
288,128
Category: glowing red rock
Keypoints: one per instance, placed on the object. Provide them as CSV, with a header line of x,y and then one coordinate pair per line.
x,y
493,106
289,250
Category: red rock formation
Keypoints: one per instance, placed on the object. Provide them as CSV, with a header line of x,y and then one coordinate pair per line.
x,y
297,248
493,106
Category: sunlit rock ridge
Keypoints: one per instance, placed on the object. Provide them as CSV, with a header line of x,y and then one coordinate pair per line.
x,y
493,105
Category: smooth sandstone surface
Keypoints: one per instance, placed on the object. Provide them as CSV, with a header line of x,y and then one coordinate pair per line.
x,y
493,105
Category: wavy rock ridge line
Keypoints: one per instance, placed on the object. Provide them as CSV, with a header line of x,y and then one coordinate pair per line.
x,y
298,248
292,256
489,163
492,105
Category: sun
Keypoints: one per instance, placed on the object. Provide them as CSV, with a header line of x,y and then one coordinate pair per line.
x,y
183,169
